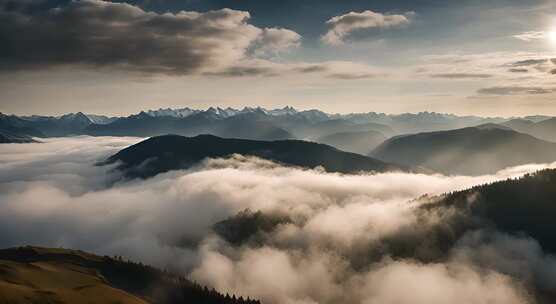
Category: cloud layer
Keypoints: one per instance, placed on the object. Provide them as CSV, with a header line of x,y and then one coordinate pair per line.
x,y
336,247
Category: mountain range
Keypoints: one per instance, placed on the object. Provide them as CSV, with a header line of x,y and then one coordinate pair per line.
x,y
170,152
251,123
441,142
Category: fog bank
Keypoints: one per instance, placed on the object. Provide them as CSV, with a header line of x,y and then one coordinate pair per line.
x,y
52,194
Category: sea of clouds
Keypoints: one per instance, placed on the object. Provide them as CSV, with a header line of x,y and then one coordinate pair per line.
x,y
331,251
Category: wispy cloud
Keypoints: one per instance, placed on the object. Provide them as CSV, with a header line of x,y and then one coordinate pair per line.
x,y
515,90
531,35
341,27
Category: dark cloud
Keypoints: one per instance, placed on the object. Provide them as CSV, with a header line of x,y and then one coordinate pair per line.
x,y
315,68
516,70
461,75
352,76
245,71
122,36
528,62
514,90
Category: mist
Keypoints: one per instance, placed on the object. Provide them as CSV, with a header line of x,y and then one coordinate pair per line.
x,y
331,250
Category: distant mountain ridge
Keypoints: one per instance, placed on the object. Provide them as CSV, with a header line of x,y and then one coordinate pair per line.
x,y
171,152
543,129
475,150
254,123
361,142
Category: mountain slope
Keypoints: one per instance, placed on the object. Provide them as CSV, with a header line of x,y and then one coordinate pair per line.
x,y
544,129
62,276
68,124
328,127
474,150
247,126
164,153
525,205
356,142
15,126
9,138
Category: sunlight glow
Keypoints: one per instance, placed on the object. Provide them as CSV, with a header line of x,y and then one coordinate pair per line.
x,y
552,36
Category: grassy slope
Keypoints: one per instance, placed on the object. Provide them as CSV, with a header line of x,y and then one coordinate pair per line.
x,y
57,282
49,275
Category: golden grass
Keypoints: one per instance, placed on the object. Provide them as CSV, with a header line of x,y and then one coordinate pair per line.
x,y
57,282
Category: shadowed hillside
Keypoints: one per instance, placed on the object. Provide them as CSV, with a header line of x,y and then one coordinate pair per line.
x,y
45,275
356,142
7,138
525,205
544,129
476,150
170,152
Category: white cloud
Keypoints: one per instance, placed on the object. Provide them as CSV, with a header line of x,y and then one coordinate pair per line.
x,y
276,40
52,195
531,35
342,26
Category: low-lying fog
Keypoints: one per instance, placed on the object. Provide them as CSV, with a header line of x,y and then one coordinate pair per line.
x,y
51,194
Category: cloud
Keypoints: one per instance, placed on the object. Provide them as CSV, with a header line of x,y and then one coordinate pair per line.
x,y
342,26
514,90
516,70
111,35
346,76
339,247
529,62
438,283
531,35
461,75
273,41
342,70
251,69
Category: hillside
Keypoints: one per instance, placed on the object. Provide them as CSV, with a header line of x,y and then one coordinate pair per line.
x,y
164,153
356,142
474,150
339,125
9,138
63,276
525,205
544,129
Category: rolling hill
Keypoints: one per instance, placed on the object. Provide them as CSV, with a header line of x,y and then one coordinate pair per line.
x,y
356,142
339,125
544,129
164,153
475,150
525,205
63,276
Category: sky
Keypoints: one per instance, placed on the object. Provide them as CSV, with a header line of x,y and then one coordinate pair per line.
x,y
488,58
